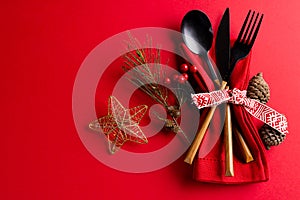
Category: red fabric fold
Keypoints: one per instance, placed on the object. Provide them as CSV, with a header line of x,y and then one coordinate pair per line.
x,y
210,166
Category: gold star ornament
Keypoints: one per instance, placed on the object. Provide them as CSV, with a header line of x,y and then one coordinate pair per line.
x,y
121,124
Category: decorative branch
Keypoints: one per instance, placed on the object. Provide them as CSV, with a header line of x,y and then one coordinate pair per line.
x,y
147,74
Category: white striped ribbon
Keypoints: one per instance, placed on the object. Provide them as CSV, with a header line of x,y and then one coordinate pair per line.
x,y
261,111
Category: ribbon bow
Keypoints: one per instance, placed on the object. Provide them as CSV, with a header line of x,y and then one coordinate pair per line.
x,y
261,111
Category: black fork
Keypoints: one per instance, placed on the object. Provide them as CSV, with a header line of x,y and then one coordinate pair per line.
x,y
242,46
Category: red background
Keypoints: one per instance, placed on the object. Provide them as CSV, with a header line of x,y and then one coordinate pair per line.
x,y
43,44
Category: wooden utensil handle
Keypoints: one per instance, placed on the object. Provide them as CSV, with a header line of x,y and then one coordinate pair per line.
x,y
245,151
199,137
229,171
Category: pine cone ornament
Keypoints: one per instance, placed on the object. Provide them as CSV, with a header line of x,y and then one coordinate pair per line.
x,y
173,111
171,126
270,136
258,89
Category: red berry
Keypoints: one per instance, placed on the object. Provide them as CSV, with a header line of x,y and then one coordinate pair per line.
x,y
181,79
167,81
186,76
193,69
175,77
184,68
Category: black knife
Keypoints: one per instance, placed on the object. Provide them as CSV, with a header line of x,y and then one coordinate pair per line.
x,y
222,51
223,64
222,46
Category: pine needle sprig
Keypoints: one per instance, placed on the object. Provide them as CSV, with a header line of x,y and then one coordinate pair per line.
x,y
146,73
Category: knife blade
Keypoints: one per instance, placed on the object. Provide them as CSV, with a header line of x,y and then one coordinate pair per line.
x,y
222,46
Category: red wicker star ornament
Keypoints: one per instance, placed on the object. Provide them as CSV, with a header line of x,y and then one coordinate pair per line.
x,y
121,124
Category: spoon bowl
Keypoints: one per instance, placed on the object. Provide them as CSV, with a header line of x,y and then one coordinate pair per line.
x,y
197,32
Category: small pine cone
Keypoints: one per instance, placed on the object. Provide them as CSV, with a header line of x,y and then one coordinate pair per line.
x,y
171,126
270,136
174,111
258,89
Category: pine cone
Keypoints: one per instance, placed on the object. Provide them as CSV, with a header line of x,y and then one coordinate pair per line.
x,y
171,126
258,89
270,136
174,111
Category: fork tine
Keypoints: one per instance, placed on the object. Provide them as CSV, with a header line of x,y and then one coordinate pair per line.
x,y
252,28
243,27
240,49
256,31
248,27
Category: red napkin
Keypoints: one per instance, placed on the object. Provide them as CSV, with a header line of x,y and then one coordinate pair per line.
x,y
211,167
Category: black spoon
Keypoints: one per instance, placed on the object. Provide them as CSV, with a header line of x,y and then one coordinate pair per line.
x,y
198,36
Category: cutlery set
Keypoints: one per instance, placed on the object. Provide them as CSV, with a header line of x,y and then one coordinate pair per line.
x,y
198,36
238,155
